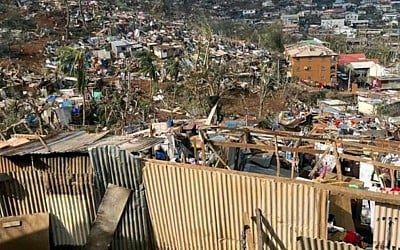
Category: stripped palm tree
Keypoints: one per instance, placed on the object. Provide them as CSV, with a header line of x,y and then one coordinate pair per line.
x,y
148,67
72,62
173,68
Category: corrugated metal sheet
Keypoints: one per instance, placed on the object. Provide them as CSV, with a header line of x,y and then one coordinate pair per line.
x,y
193,207
386,226
58,188
304,243
59,143
116,166
22,194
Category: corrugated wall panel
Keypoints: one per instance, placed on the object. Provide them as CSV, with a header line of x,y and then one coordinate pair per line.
x,y
13,164
203,208
22,194
58,184
305,243
386,226
118,167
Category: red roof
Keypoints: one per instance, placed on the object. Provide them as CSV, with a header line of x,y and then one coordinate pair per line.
x,y
349,58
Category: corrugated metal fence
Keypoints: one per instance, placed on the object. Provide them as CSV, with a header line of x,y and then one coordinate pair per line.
x,y
386,226
116,166
204,208
58,184
304,243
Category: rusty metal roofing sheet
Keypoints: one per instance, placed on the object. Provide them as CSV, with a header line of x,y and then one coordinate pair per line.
x,y
130,144
59,143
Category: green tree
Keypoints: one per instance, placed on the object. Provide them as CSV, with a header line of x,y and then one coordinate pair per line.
x,y
72,62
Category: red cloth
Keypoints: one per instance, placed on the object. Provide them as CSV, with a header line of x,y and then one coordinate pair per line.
x,y
352,238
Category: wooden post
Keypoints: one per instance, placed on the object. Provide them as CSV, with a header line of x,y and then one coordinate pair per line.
x,y
278,161
338,165
295,159
248,233
203,147
43,142
392,178
196,155
260,241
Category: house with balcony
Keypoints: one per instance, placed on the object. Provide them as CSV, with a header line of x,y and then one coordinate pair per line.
x,y
312,62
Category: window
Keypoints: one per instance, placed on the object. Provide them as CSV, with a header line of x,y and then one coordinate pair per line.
x,y
322,77
323,68
310,58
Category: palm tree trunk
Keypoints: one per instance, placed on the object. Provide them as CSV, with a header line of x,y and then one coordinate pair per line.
x,y
84,109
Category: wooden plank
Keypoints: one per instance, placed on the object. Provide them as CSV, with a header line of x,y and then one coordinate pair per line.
x,y
372,162
108,216
315,168
27,136
268,148
248,233
260,241
218,156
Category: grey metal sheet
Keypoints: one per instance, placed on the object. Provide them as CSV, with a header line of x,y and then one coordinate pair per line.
x,y
59,143
117,166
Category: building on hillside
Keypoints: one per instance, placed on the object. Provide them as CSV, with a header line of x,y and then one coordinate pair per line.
x,y
312,63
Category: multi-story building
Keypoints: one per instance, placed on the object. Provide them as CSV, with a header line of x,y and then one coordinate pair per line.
x,y
312,63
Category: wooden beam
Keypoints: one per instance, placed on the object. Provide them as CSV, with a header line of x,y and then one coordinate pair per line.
x,y
372,162
315,168
43,142
267,148
295,159
260,241
27,136
211,146
203,147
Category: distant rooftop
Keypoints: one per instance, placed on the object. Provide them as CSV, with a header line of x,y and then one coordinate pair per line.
x,y
308,48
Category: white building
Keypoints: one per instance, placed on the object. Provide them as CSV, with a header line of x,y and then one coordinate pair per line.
x,y
248,12
290,19
332,23
350,17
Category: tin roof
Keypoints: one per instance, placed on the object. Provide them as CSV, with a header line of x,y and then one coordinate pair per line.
x,y
308,50
59,143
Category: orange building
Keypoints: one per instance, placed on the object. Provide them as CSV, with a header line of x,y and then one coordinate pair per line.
x,y
311,63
